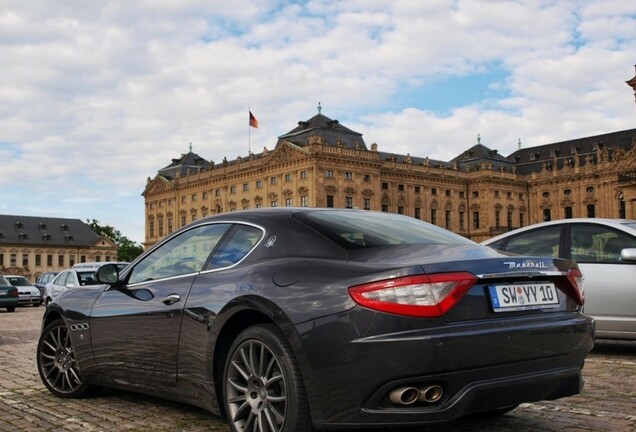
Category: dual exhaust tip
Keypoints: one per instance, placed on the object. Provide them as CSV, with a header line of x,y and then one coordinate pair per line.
x,y
409,395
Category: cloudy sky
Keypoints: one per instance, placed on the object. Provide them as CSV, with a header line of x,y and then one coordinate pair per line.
x,y
96,96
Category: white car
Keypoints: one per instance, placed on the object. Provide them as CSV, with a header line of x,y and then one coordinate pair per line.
x,y
82,274
28,293
605,250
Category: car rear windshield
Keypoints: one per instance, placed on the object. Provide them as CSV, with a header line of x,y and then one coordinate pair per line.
x,y
18,281
353,229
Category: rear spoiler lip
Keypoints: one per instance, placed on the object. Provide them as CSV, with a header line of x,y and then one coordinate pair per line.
x,y
527,274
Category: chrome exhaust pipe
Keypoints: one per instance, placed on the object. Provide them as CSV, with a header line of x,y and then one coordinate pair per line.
x,y
431,394
404,395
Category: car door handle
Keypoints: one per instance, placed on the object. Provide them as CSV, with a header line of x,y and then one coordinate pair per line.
x,y
171,299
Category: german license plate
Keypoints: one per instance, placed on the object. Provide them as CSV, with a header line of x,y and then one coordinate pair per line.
x,y
3,292
514,297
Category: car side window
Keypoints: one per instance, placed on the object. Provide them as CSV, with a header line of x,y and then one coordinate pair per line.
x,y
236,246
61,279
539,242
186,253
594,243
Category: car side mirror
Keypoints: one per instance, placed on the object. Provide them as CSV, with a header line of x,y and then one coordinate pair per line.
x,y
107,274
628,254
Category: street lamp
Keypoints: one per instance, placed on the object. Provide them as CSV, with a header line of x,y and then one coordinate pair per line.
x,y
632,83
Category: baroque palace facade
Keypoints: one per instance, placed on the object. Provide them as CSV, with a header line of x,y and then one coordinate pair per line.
x,y
32,245
478,194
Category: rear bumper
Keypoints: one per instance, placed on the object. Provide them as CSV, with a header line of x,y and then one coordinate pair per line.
x,y
480,366
29,300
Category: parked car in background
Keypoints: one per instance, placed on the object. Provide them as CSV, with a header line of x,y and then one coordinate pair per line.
x,y
42,280
81,274
28,293
605,250
284,319
9,298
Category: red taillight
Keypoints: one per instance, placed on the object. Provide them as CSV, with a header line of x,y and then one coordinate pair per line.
x,y
14,293
419,295
575,278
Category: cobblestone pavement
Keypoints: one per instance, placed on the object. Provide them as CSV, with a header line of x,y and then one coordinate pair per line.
x,y
608,402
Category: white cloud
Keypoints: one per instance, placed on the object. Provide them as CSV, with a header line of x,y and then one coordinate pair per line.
x,y
101,95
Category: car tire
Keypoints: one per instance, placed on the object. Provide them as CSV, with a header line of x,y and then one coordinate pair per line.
x,y
262,386
57,364
10,308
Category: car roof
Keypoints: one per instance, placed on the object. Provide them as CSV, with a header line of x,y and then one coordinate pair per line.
x,y
628,225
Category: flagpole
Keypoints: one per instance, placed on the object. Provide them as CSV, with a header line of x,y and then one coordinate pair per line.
x,y
249,134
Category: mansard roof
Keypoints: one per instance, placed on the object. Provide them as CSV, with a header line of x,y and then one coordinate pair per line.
x,y
45,231
331,131
188,163
524,161
577,151
479,154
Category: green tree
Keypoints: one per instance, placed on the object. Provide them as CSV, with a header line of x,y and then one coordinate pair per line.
x,y
127,250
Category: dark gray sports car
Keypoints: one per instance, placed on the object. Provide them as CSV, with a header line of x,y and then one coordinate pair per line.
x,y
295,319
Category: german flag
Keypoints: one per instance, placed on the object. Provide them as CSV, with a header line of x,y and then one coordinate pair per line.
x,y
253,121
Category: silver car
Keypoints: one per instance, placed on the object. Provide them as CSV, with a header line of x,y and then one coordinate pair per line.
x,y
28,293
66,279
605,250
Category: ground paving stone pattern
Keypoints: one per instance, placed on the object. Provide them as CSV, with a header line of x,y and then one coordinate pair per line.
x,y
608,402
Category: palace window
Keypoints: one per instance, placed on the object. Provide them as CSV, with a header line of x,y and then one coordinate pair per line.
x,y
330,200
547,215
348,202
329,174
367,203
475,220
348,175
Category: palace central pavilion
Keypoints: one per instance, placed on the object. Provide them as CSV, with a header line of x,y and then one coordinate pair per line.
x,y
478,194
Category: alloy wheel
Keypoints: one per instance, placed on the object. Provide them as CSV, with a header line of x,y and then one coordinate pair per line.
x,y
57,360
256,395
